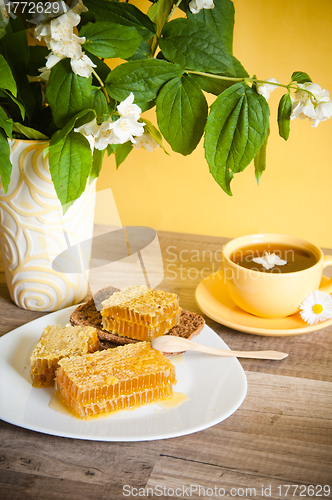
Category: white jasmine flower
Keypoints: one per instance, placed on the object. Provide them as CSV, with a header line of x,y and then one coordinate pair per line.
x,y
127,109
265,89
67,48
196,5
316,106
43,31
118,132
105,135
7,8
62,27
44,74
90,131
51,60
78,7
146,141
61,39
317,306
82,66
125,129
4,11
268,261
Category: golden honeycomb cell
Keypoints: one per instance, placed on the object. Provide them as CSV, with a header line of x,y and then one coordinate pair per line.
x,y
114,379
55,343
140,313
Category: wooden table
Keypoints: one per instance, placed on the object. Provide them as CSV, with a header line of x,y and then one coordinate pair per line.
x,y
281,435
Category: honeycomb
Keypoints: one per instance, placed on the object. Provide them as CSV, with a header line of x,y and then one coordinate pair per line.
x,y
125,377
55,343
140,313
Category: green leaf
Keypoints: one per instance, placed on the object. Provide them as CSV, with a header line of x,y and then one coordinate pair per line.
x,y
37,59
124,14
28,132
106,39
99,102
111,149
212,85
154,132
215,85
121,152
67,93
260,159
144,78
194,46
300,77
97,162
284,113
46,151
85,116
14,48
5,165
7,81
235,131
16,42
16,101
6,123
181,113
158,13
70,165
143,52
220,19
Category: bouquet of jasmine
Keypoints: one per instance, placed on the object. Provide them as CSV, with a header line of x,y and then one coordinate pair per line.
x,y
56,86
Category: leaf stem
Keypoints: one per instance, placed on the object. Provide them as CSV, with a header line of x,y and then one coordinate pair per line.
x,y
103,88
174,9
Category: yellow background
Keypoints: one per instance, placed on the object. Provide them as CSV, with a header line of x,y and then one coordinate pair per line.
x,y
177,193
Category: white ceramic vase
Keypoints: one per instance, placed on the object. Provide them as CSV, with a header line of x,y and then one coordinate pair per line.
x,y
34,231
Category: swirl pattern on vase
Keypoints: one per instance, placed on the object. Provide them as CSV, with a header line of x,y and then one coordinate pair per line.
x,y
33,231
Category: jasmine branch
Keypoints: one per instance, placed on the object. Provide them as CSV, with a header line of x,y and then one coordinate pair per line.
x,y
249,80
103,88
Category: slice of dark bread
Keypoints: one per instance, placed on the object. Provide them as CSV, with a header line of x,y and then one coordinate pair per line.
x,y
88,314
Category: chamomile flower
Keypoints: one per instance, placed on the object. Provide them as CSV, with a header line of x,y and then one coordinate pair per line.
x,y
317,306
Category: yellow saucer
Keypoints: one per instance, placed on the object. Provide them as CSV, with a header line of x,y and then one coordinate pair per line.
x,y
212,298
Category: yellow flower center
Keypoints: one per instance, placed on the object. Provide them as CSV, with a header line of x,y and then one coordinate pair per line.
x,y
317,308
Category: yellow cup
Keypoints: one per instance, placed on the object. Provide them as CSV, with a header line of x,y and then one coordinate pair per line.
x,y
272,295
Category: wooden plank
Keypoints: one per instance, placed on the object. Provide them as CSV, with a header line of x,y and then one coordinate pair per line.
x,y
21,486
91,462
184,478
283,430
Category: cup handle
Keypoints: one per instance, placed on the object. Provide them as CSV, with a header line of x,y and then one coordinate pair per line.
x,y
327,288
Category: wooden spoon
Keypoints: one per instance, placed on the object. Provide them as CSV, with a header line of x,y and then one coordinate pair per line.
x,y
170,343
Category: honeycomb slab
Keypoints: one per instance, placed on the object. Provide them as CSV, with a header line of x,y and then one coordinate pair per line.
x,y
56,343
115,379
140,313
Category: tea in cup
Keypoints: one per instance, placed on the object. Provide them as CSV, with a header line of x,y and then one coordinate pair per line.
x,y
270,275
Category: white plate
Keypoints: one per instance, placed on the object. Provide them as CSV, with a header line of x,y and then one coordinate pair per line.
x,y
216,388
